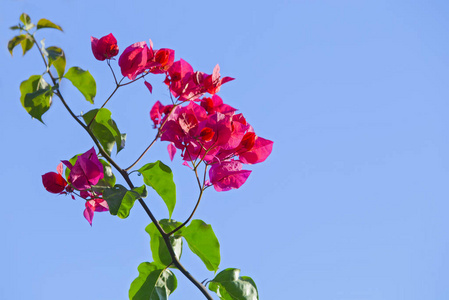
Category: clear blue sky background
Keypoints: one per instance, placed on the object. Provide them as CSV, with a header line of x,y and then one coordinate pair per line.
x,y
353,202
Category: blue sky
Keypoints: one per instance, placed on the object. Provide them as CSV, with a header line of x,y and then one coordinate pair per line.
x,y
352,203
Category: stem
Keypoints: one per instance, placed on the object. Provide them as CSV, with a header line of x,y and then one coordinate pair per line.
x,y
133,80
181,268
40,51
113,74
191,215
197,203
143,154
159,133
107,100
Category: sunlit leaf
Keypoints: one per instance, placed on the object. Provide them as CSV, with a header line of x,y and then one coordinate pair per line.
x,y
15,41
83,81
44,23
120,200
153,283
157,244
105,129
202,241
228,285
56,58
36,96
27,43
25,19
160,178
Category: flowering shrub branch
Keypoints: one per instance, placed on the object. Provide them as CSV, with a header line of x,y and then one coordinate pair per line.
x,y
207,132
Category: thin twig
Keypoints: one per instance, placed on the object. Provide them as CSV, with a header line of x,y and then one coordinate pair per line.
x,y
158,134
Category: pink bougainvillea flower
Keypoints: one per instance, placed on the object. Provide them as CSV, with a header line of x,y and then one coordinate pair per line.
x,y
157,111
86,172
215,104
134,59
105,47
162,61
258,152
181,126
92,206
228,175
247,143
181,82
54,182
211,83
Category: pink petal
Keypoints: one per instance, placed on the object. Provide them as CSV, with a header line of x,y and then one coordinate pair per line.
x,y
226,79
259,152
148,85
67,164
228,175
100,205
53,182
216,73
185,163
59,168
171,150
88,214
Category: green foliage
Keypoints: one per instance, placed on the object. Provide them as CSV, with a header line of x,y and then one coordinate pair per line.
x,y
160,178
83,81
199,236
56,58
36,96
27,43
105,129
44,23
15,41
153,283
158,247
120,200
26,20
230,286
202,241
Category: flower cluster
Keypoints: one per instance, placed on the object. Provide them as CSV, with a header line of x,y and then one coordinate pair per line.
x,y
85,173
212,132
203,127
139,58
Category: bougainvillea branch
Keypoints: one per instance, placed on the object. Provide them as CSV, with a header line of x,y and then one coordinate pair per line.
x,y
208,133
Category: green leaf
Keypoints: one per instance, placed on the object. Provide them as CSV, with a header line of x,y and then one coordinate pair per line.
x,y
27,44
83,81
120,200
160,178
56,58
35,96
14,27
26,20
202,241
157,244
105,129
15,41
229,286
153,283
44,23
